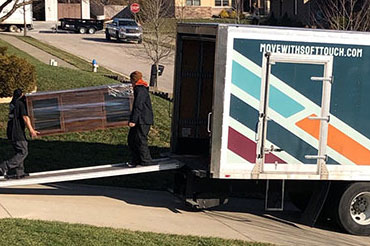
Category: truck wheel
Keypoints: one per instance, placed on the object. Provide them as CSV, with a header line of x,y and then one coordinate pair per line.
x,y
91,30
354,209
107,36
13,28
3,28
139,41
82,30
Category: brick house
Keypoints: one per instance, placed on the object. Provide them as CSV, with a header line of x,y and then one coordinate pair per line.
x,y
194,9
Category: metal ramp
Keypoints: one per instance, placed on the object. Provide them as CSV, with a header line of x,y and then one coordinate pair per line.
x,y
90,173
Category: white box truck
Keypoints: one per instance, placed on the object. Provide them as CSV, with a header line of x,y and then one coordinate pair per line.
x,y
278,111
15,21
283,107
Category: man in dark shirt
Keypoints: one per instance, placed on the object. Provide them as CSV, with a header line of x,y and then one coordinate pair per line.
x,y
18,121
140,121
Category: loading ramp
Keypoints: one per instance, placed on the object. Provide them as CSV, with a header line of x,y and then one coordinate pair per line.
x,y
90,173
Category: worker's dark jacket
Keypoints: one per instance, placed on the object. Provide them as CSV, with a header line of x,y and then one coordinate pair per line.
x,y
16,125
142,112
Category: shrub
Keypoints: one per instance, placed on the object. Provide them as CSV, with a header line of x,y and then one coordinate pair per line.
x,y
233,14
224,14
15,73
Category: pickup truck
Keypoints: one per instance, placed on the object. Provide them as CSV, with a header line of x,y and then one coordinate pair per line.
x,y
124,29
81,25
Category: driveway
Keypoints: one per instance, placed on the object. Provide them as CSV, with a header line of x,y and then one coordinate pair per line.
x,y
159,211
121,57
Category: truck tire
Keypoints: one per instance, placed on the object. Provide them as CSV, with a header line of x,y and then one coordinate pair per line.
x,y
91,30
107,36
354,209
139,41
3,28
13,28
82,30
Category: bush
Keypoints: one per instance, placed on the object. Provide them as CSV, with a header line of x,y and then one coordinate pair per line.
x,y
224,14
233,14
15,73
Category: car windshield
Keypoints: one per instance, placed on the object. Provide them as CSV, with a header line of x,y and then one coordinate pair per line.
x,y
127,23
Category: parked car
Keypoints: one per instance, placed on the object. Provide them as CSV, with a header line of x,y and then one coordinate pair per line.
x,y
81,25
124,29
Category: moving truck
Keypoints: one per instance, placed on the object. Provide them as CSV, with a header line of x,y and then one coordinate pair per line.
x,y
16,20
282,112
284,107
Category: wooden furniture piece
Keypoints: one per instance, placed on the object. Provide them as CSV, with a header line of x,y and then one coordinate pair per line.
x,y
82,109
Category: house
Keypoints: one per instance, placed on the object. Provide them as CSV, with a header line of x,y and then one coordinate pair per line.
x,y
56,9
196,9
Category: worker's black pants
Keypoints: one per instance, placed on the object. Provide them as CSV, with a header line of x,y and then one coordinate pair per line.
x,y
138,144
17,161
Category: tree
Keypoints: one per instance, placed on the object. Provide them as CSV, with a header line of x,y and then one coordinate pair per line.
x,y
238,6
353,15
156,30
14,4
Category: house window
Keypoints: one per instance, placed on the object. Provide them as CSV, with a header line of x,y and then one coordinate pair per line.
x,y
192,2
221,3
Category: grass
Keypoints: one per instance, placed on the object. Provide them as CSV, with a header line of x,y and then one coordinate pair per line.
x,y
67,57
87,148
33,232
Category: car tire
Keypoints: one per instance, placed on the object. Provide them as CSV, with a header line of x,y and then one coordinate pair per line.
x,y
139,41
354,209
91,30
82,30
107,35
13,28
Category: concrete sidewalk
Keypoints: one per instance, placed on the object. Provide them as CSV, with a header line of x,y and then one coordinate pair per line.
x,y
33,51
160,212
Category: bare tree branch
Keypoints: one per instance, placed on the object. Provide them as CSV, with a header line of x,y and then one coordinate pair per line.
x,y
157,38
15,6
351,15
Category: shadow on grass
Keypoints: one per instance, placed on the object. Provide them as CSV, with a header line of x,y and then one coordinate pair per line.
x,y
57,155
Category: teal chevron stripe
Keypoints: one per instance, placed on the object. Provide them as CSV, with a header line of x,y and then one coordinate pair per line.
x,y
251,84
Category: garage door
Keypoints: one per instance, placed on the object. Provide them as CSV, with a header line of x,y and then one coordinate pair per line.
x,y
69,10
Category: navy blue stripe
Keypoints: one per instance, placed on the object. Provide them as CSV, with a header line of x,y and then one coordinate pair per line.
x,y
276,134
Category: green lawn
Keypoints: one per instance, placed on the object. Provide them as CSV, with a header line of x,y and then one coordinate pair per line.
x,y
87,148
32,232
71,59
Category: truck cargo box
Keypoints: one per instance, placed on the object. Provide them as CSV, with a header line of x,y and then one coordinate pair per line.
x,y
316,120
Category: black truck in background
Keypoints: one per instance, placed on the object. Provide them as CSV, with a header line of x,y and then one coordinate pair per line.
x,y
81,25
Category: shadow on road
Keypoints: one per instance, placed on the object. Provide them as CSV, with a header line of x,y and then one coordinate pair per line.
x,y
103,40
56,155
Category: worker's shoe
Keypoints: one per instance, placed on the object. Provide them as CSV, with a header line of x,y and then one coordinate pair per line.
x,y
22,176
148,163
4,172
130,164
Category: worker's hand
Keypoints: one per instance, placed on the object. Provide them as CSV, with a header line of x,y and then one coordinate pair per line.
x,y
131,124
34,133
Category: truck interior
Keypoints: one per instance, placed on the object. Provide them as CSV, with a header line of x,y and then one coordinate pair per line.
x,y
194,93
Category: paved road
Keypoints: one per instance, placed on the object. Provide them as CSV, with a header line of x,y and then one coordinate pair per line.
x,y
35,52
161,212
120,57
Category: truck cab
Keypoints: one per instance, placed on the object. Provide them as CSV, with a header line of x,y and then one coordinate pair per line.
x,y
124,29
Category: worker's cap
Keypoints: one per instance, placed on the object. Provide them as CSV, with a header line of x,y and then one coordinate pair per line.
x,y
17,93
136,76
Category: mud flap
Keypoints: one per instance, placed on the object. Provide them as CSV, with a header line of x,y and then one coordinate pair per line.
x,y
316,203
